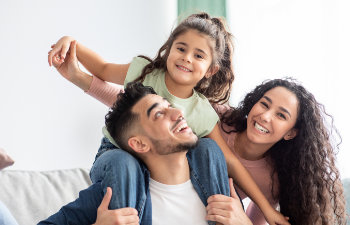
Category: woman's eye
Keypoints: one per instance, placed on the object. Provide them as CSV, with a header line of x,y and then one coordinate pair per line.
x,y
264,104
281,115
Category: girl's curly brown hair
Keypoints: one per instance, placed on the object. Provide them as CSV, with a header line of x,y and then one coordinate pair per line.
x,y
216,88
310,190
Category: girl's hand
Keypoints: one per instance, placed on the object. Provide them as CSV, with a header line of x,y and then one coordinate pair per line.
x,y
273,217
69,67
227,210
60,49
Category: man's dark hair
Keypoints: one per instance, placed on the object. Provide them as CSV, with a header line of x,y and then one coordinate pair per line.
x,y
120,119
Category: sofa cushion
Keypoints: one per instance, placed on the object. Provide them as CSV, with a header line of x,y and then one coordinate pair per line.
x,y
32,196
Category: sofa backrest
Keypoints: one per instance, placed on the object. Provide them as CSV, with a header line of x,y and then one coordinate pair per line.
x,y
32,196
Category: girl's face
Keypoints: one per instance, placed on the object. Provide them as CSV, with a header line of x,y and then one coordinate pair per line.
x,y
189,60
273,117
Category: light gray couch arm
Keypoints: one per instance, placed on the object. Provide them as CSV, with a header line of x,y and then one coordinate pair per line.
x,y
32,196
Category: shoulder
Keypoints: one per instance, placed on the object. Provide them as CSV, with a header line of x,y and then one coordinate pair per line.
x,y
136,66
221,109
138,63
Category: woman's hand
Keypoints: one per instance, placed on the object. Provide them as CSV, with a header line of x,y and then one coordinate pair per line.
x,y
227,210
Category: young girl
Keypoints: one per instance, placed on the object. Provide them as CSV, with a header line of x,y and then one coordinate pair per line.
x,y
279,135
192,67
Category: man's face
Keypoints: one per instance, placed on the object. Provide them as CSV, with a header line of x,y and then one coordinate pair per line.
x,y
164,125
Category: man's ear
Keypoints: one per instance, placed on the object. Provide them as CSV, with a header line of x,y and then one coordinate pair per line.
x,y
211,71
139,144
291,134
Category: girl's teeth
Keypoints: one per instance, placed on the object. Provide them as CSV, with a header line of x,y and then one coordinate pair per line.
x,y
257,126
183,68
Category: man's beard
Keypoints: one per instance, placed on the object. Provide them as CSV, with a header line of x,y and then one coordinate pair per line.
x,y
166,148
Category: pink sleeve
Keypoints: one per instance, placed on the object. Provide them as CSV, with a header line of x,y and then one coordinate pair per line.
x,y
104,91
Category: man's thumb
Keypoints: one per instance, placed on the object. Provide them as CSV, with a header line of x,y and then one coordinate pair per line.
x,y
232,189
106,199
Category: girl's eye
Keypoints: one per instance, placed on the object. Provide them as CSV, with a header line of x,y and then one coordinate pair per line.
x,y
281,115
181,49
199,56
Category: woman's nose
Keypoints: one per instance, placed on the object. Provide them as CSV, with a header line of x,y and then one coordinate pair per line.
x,y
266,116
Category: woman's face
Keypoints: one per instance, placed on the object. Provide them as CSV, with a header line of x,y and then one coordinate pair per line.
x,y
273,117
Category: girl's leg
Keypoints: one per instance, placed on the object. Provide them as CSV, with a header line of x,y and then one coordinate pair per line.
x,y
125,174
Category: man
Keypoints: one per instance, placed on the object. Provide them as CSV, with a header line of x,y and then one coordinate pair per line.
x,y
177,180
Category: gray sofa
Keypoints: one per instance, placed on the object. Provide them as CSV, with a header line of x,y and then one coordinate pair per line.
x,y
32,196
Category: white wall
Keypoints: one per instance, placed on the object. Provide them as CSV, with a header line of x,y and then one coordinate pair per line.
x,y
46,122
308,40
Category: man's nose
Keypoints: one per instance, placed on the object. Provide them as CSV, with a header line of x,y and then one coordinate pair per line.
x,y
176,113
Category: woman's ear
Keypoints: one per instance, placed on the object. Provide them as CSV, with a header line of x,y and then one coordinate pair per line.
x,y
291,134
211,71
139,144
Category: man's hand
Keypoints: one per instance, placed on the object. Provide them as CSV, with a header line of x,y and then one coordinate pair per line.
x,y
227,210
117,216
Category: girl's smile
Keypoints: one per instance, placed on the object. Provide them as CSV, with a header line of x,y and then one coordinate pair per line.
x,y
189,60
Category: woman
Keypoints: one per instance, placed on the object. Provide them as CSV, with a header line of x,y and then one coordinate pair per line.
x,y
279,133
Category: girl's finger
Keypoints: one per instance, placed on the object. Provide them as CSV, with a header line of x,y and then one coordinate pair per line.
x,y
52,54
64,51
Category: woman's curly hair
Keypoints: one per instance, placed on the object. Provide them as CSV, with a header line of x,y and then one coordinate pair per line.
x,y
310,190
216,88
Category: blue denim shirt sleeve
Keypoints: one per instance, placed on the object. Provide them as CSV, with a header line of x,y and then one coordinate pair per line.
x,y
82,211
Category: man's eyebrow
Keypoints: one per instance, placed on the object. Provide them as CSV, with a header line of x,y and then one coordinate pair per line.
x,y
198,49
281,108
153,106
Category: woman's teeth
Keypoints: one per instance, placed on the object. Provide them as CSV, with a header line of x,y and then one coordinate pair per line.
x,y
262,129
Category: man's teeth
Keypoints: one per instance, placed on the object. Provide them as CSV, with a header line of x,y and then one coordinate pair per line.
x,y
257,126
180,128
184,68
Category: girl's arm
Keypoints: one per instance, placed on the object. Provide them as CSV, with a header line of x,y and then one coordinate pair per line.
x,y
244,180
94,63
69,69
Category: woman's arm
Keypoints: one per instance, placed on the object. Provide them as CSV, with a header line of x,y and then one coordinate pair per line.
x,y
244,180
94,63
